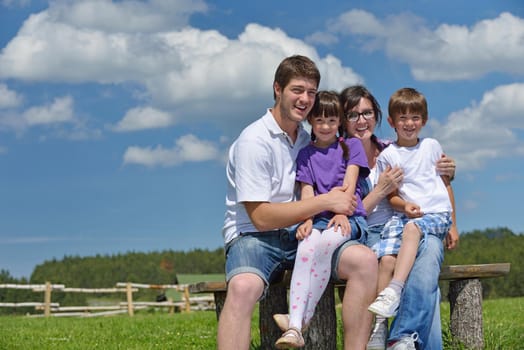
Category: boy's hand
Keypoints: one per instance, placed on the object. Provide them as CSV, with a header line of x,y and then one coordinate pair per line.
x,y
412,210
452,238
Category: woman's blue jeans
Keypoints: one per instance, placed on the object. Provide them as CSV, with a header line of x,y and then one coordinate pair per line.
x,y
419,310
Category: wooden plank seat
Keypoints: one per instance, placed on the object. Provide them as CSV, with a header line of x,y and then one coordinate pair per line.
x,y
465,296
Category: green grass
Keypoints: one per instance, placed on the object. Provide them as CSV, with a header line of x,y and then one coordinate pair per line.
x,y
503,321
503,329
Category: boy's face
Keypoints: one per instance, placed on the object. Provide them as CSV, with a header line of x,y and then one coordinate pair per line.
x,y
407,126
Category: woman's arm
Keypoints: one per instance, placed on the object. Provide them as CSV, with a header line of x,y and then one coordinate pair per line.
x,y
388,181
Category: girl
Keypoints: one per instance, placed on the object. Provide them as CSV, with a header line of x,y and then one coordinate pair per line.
x,y
329,161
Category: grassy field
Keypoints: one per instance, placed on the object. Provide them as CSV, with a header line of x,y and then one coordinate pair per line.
x,y
503,329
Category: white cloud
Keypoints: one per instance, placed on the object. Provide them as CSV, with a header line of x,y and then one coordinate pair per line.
x,y
9,98
15,3
187,148
449,52
59,111
126,16
322,38
187,69
489,130
141,118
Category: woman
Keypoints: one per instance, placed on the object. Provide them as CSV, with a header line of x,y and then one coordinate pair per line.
x,y
413,322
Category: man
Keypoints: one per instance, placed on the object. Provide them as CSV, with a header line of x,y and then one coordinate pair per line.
x,y
261,204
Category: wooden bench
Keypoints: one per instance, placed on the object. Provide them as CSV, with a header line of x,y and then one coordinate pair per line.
x,y
465,296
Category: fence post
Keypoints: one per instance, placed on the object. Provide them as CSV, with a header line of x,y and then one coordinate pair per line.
x,y
129,293
47,299
171,309
188,301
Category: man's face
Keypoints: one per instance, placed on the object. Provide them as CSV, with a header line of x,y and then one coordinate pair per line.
x,y
296,99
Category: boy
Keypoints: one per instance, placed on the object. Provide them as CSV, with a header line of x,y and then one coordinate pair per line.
x,y
424,202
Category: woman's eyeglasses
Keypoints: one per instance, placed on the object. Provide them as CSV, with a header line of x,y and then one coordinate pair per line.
x,y
354,116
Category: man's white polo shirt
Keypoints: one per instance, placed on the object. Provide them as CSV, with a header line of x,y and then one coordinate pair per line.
x,y
261,168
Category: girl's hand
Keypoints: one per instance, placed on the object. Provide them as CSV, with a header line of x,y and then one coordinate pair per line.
x,y
341,222
304,229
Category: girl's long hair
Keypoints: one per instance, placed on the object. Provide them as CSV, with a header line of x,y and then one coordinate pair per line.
x,y
327,103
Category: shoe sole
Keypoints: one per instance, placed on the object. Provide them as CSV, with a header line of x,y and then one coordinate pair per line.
x,y
380,313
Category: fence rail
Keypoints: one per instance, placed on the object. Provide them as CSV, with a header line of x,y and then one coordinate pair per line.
x,y
49,308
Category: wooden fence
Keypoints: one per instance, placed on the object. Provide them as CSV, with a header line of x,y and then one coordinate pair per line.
x,y
187,304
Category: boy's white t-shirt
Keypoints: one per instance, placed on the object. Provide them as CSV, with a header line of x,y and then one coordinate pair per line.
x,y
422,183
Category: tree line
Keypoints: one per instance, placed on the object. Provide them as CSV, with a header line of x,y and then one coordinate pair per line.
x,y
101,271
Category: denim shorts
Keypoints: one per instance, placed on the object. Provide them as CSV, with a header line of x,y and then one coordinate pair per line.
x,y
266,254
373,237
360,224
436,224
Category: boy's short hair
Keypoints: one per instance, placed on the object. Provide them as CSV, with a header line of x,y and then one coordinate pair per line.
x,y
296,66
408,100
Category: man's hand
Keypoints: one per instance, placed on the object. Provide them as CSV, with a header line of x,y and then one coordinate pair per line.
x,y
446,166
341,202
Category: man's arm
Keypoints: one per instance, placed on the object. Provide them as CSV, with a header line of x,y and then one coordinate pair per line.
x,y
271,216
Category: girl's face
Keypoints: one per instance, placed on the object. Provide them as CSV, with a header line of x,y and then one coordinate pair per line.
x,y
325,129
358,125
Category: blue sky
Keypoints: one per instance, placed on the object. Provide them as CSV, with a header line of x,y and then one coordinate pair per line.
x,y
115,116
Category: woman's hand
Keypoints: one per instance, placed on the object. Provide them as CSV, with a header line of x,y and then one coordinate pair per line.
x,y
389,180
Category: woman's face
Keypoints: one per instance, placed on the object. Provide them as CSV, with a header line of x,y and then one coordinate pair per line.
x,y
361,128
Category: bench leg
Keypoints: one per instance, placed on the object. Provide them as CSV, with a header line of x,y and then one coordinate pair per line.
x,y
322,332
275,302
220,298
465,301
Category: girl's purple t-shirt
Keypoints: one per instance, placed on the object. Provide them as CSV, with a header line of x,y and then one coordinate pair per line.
x,y
325,168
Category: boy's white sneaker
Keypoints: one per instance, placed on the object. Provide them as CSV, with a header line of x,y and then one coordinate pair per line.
x,y
379,336
386,304
406,343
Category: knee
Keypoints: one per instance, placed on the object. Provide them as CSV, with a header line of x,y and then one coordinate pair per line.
x,y
245,288
387,263
358,262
